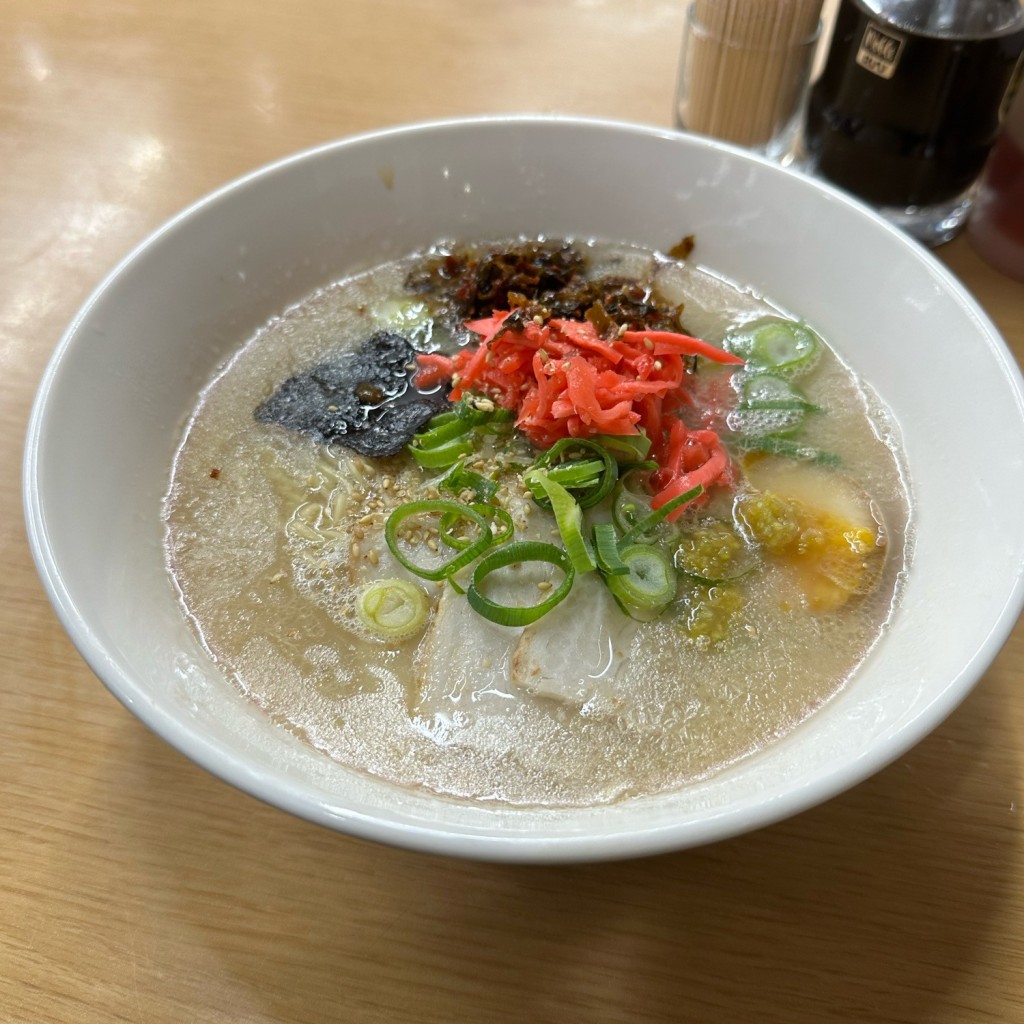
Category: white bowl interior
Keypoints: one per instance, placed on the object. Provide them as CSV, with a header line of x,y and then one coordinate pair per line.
x,y
126,374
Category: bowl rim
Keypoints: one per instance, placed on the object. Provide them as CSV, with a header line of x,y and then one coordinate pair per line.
x,y
747,815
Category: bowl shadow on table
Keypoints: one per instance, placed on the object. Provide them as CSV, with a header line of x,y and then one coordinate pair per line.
x,y
871,907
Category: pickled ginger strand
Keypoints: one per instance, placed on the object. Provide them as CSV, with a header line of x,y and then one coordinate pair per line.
x,y
562,381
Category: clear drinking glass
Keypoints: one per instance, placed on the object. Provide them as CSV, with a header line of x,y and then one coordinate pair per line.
x,y
744,71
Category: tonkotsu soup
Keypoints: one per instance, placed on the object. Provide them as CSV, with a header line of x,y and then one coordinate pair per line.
x,y
538,522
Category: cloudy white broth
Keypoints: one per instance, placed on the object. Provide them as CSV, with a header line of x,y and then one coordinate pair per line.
x,y
627,614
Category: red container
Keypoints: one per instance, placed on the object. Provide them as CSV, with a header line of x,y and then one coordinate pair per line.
x,y
996,227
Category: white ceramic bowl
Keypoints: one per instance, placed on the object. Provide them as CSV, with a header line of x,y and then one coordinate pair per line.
x,y
127,371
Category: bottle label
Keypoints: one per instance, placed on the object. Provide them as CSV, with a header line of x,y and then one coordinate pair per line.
x,y
880,50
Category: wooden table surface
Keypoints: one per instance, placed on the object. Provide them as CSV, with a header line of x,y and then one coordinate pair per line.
x,y
135,887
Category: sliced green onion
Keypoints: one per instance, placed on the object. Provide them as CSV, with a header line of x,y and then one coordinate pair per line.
x,y
626,449
775,345
450,520
441,427
766,391
440,508
459,479
755,423
559,456
499,515
771,444
448,436
438,435
769,405
568,518
497,426
511,554
475,410
448,416
649,585
606,548
582,473
392,609
648,523
632,500
443,455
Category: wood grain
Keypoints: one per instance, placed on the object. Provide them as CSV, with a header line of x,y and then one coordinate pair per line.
x,y
134,887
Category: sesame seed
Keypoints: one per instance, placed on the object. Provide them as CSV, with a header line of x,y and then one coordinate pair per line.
x,y
373,556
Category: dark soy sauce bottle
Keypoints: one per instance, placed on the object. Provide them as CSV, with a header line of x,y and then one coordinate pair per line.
x,y
909,104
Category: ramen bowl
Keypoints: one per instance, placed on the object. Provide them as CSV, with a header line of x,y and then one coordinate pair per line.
x,y
127,373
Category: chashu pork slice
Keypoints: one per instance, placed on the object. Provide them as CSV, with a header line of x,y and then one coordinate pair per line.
x,y
572,655
462,662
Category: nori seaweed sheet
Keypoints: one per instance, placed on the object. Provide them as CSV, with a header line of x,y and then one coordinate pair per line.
x,y
363,399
